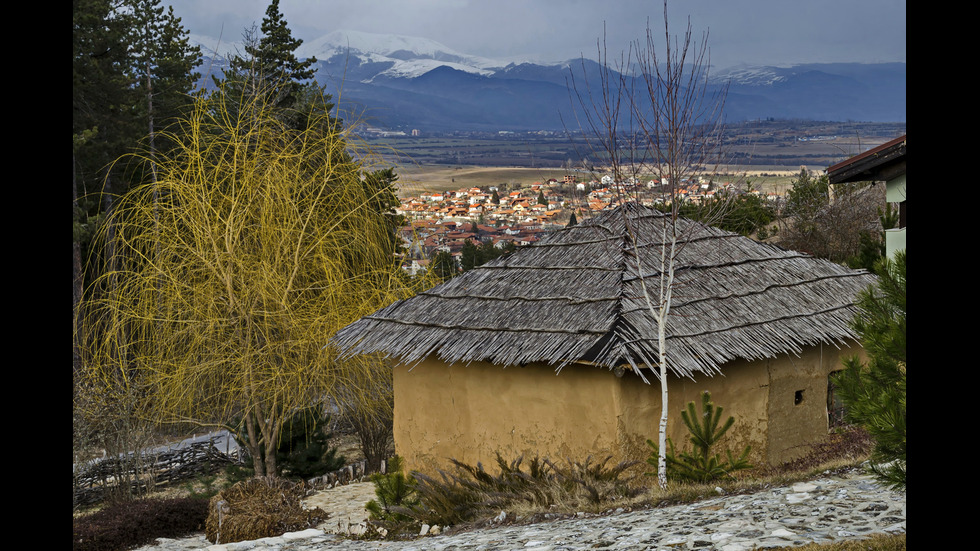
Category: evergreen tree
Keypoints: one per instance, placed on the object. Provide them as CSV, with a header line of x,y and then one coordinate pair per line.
x,y
102,97
379,185
874,394
473,255
115,44
270,67
700,464
100,92
162,66
808,196
443,265
132,65
304,447
469,256
277,49
743,214
872,248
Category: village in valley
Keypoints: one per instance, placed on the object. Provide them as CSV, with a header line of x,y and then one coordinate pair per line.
x,y
514,215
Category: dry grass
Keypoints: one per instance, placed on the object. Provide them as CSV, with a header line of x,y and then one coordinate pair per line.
x,y
413,180
877,542
842,452
258,508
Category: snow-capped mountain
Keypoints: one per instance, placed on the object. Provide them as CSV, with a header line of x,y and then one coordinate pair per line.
x,y
409,82
748,75
408,56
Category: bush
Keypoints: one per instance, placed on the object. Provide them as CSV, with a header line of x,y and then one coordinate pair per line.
x,y
600,483
259,508
700,465
303,450
138,523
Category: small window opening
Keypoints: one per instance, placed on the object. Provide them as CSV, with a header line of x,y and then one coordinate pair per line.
x,y
798,398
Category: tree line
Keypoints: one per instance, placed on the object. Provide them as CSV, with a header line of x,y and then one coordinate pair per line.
x,y
133,69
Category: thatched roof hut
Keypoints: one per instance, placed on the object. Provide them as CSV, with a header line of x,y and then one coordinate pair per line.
x,y
578,296
575,300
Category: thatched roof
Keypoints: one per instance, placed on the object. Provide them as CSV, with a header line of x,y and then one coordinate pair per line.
x,y
577,296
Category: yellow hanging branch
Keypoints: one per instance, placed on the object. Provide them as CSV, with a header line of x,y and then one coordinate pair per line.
x,y
255,245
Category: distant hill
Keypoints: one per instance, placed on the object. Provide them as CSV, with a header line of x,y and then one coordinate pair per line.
x,y
399,82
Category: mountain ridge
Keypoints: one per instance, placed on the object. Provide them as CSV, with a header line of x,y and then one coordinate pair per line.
x,y
384,73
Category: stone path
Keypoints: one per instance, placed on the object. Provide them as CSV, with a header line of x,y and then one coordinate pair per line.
x,y
822,510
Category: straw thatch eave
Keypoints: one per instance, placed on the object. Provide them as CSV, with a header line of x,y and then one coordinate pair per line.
x,y
577,296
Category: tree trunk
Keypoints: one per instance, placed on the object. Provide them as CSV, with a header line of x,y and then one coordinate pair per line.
x,y
254,447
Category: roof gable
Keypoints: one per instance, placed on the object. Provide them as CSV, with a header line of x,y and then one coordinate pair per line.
x,y
577,295
880,163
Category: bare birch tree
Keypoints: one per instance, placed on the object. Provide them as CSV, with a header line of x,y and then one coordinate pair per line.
x,y
653,113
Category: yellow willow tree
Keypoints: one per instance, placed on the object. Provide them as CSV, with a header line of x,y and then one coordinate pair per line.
x,y
228,275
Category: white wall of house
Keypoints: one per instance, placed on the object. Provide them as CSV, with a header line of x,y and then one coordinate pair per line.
x,y
895,193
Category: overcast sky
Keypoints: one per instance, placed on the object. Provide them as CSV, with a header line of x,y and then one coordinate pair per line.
x,y
758,32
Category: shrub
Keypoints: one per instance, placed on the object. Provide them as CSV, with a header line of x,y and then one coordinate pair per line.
x,y
598,482
258,508
303,450
138,523
699,464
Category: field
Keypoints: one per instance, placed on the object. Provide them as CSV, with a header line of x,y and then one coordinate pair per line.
x,y
768,154
416,179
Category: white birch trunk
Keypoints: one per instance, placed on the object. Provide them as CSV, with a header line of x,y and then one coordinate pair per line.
x,y
666,288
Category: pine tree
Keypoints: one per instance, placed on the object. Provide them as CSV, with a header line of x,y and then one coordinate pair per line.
x,y
115,44
700,464
277,49
270,66
162,66
102,97
443,265
874,393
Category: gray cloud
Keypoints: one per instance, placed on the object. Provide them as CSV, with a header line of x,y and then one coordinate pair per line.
x,y
741,31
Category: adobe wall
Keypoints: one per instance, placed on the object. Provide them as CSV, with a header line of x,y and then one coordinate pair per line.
x,y
779,405
470,412
798,400
742,390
